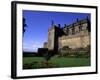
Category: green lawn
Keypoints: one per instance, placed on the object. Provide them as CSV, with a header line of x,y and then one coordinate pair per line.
x,y
38,62
71,62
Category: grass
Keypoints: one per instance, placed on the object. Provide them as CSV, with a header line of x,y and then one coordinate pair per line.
x,y
71,62
37,62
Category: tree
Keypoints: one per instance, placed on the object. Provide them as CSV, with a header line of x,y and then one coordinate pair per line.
x,y
24,25
47,56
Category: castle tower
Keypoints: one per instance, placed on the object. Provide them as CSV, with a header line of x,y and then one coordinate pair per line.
x,y
53,33
51,38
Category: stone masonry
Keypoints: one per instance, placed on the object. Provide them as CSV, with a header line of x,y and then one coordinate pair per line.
x,y
75,35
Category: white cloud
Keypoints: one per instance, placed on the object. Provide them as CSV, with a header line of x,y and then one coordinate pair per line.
x,y
32,46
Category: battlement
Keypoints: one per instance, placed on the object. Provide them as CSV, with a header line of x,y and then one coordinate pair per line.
x,y
77,27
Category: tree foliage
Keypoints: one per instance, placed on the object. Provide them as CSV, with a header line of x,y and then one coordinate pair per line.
x,y
24,25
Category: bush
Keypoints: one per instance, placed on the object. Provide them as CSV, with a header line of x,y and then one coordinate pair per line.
x,y
78,52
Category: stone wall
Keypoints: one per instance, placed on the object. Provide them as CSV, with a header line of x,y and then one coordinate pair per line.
x,y
76,41
75,35
45,45
51,36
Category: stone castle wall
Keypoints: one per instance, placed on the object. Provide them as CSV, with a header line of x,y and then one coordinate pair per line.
x,y
77,41
51,39
78,35
75,35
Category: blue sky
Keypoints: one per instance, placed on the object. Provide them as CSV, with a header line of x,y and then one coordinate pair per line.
x,y
38,23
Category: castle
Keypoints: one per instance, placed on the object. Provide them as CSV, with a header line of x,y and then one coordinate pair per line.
x,y
75,35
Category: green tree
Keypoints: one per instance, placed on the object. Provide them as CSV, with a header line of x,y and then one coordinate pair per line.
x,y
24,25
47,56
